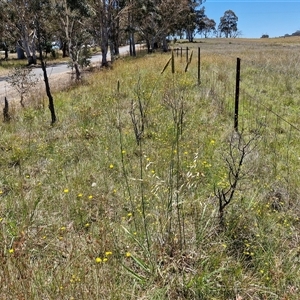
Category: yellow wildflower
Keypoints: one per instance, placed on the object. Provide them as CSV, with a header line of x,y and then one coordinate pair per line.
x,y
98,260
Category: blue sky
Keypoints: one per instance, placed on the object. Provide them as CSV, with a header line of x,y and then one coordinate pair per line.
x,y
275,18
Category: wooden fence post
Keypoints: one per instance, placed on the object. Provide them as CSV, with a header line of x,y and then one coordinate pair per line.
x,y
237,95
187,54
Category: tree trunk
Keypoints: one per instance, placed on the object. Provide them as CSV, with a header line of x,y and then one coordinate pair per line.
x,y
116,47
148,46
74,60
77,70
104,35
110,34
46,80
116,37
5,51
152,45
104,50
112,51
131,35
165,44
190,35
132,44
64,49
28,44
130,47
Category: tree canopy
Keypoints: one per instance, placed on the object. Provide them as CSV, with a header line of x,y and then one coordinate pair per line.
x,y
108,23
228,24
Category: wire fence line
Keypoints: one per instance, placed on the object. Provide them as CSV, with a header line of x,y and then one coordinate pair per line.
x,y
260,86
280,135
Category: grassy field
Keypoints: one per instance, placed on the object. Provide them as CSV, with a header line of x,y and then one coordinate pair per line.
x,y
143,190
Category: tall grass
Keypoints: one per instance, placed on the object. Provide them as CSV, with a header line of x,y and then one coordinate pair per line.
x,y
90,211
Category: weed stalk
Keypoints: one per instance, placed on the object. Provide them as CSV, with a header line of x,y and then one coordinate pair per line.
x,y
139,120
122,155
177,109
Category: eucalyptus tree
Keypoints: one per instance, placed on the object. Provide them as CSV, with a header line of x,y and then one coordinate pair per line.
x,y
105,25
155,20
73,16
130,29
100,26
116,12
103,15
228,24
117,15
18,24
205,25
142,19
192,17
172,13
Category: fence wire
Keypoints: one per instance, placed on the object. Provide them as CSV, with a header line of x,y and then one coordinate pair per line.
x,y
279,158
